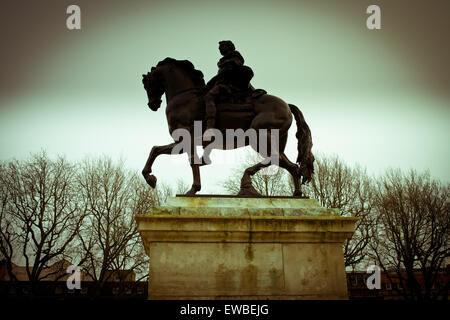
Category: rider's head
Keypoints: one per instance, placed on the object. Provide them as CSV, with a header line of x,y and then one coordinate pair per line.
x,y
226,47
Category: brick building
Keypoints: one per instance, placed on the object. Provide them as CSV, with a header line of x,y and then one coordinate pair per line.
x,y
391,286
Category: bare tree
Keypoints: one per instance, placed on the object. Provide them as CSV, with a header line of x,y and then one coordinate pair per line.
x,y
413,232
112,196
334,185
40,216
144,198
337,185
182,187
269,181
9,238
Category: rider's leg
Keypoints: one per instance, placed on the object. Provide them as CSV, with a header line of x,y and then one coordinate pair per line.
x,y
210,105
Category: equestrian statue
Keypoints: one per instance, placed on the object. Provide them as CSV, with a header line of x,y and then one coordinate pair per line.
x,y
227,101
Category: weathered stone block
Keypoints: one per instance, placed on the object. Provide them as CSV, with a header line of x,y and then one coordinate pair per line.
x,y
245,248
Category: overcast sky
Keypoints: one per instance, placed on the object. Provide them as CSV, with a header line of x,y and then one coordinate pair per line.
x,y
380,98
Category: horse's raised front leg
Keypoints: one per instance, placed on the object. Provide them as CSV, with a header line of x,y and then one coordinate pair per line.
x,y
154,153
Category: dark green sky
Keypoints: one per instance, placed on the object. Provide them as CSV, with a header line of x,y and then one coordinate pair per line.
x,y
380,98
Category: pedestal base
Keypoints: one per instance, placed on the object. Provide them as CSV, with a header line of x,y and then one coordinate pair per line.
x,y
235,248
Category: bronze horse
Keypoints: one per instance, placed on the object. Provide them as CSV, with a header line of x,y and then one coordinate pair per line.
x,y
184,88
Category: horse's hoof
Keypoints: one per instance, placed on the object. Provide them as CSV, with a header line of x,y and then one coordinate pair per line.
x,y
193,190
297,193
248,192
151,180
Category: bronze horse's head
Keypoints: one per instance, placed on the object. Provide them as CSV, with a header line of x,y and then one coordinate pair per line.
x,y
156,81
152,82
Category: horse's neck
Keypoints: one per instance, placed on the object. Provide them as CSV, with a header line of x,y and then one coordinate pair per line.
x,y
176,83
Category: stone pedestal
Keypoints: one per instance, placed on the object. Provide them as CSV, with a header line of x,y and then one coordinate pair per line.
x,y
245,248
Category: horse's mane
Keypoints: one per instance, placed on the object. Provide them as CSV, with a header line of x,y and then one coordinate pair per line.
x,y
188,67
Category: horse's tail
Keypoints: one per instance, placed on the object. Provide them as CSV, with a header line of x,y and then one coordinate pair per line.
x,y
305,158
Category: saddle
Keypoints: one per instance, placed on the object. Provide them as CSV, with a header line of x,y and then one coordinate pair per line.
x,y
244,102
235,107
238,113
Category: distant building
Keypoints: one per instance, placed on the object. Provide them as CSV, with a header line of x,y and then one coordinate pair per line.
x,y
120,284
56,272
357,287
121,275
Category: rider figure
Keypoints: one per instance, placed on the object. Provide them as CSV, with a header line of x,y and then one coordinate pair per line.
x,y
232,77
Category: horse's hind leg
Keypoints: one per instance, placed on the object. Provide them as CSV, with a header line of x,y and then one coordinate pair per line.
x,y
247,188
154,153
292,168
268,153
